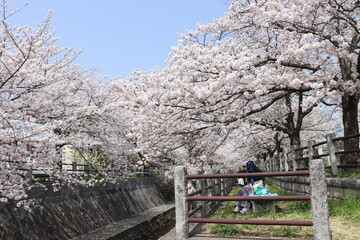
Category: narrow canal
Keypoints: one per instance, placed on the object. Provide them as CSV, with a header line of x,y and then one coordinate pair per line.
x,y
159,229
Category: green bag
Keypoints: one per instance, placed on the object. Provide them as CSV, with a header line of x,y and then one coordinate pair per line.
x,y
260,190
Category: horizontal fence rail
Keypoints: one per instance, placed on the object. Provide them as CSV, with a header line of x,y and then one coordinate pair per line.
x,y
339,166
195,210
252,222
300,148
348,151
319,156
80,170
195,193
257,174
319,144
296,158
346,137
251,198
320,221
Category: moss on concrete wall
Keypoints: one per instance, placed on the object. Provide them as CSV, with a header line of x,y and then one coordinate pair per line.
x,y
72,212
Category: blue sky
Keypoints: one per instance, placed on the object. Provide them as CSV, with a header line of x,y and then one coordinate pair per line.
x,y
120,36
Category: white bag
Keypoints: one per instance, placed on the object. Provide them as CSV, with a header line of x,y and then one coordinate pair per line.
x,y
241,182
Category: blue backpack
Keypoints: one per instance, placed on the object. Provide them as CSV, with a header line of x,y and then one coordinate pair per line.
x,y
250,166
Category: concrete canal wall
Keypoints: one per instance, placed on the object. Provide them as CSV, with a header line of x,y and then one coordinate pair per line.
x,y
70,213
336,187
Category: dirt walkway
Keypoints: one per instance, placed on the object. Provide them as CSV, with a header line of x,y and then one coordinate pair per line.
x,y
198,232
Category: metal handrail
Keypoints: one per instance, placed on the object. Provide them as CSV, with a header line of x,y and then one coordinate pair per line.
x,y
348,151
345,137
196,192
249,198
208,187
301,148
320,143
321,155
257,174
255,222
348,165
195,210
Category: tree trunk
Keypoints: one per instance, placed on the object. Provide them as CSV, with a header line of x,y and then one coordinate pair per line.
x,y
277,143
295,138
349,104
293,128
351,127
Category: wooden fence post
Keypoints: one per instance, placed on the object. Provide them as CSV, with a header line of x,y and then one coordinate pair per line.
x,y
58,158
222,187
271,164
211,183
231,182
74,167
276,162
311,151
181,204
332,149
222,184
261,164
319,203
217,187
286,164
281,158
30,174
294,156
267,164
201,186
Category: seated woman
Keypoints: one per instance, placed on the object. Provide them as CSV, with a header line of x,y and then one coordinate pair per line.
x,y
243,206
252,168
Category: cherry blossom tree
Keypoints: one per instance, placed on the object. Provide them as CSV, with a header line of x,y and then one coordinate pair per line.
x,y
265,51
167,125
47,101
269,63
321,34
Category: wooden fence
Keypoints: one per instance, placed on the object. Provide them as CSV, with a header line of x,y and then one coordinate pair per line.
x,y
320,213
75,169
294,159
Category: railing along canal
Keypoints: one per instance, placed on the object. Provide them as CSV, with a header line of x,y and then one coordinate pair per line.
x,y
318,198
294,158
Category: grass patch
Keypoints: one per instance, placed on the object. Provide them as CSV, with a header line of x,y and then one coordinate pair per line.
x,y
284,211
347,208
353,173
285,231
226,230
343,212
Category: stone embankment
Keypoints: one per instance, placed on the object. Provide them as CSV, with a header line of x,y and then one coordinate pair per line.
x,y
336,187
87,211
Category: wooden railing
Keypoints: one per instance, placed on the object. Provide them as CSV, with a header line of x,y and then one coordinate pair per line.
x,y
292,159
320,213
79,170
